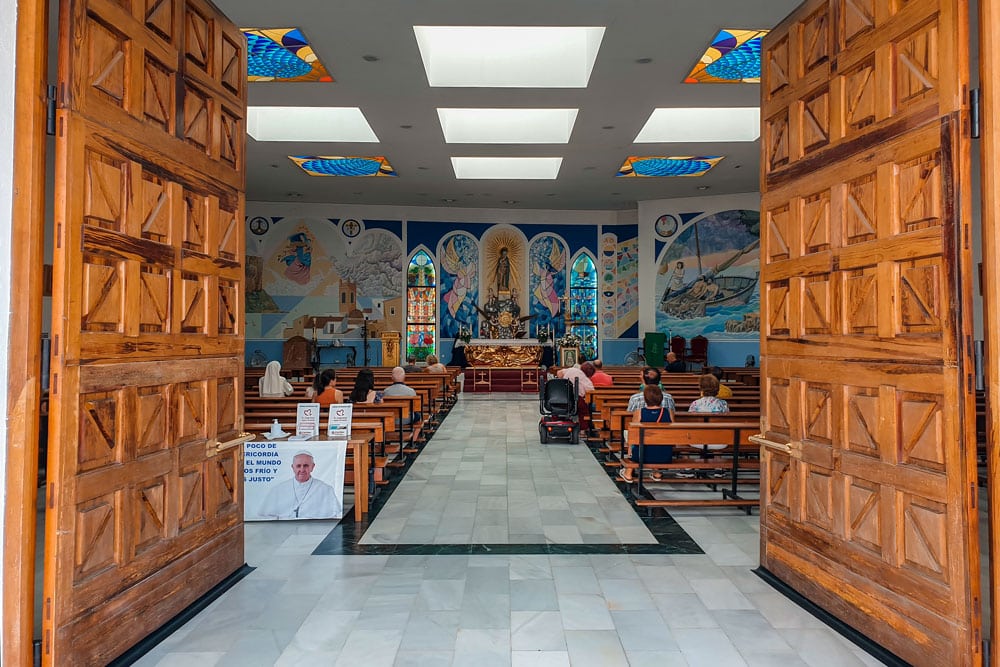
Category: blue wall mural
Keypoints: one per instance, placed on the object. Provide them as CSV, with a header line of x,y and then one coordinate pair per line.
x,y
547,283
458,255
707,277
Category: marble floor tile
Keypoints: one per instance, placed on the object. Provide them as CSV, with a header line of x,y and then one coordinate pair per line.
x,y
496,550
536,631
595,649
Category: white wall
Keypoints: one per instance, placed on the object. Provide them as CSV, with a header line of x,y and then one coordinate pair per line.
x,y
8,45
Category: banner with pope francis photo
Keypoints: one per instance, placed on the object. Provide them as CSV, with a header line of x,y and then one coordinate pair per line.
x,y
294,480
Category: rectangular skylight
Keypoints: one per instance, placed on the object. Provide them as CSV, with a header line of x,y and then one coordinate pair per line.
x,y
507,167
508,57
507,126
693,124
309,124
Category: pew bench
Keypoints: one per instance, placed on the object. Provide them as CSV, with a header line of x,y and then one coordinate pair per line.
x,y
686,438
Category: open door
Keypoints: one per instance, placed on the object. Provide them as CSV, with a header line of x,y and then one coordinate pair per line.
x,y
145,499
868,486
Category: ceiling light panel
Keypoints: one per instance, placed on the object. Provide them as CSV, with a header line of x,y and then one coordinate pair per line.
x,y
705,124
507,126
508,57
507,168
309,124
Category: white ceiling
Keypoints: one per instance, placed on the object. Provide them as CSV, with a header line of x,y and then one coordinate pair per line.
x,y
393,92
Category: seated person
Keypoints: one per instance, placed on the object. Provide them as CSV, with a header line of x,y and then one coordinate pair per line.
x,y
411,365
652,411
709,401
324,389
650,376
583,374
364,388
399,388
272,384
724,391
600,378
435,366
675,365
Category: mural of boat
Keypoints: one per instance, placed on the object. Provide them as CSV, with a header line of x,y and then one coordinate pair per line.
x,y
710,289
688,304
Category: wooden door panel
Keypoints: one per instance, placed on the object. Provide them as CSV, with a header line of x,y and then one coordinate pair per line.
x,y
866,387
145,505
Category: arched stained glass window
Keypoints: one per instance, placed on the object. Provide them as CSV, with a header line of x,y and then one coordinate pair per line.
x,y
421,301
583,304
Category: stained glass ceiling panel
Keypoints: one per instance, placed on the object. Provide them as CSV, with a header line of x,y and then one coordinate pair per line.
x,y
337,165
656,166
282,54
733,57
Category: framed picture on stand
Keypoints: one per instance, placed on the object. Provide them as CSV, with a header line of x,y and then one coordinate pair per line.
x,y
568,356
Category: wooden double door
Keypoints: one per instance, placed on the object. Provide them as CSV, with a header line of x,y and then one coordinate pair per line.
x,y
869,490
144,499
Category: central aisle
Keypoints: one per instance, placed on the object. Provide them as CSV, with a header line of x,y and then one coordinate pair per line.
x,y
485,479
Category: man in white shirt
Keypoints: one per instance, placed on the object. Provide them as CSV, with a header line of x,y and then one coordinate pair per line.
x,y
304,496
400,388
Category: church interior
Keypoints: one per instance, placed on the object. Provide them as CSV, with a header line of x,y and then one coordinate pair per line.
x,y
789,204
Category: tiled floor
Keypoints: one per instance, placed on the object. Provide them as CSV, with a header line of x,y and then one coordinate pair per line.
x,y
484,479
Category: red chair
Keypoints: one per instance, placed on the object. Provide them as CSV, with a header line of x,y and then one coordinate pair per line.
x,y
699,350
678,345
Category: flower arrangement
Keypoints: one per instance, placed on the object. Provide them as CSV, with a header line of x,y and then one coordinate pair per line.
x,y
464,335
570,339
542,335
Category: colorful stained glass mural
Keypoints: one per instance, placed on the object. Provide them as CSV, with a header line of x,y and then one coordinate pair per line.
x,y
707,281
661,166
282,54
459,255
421,305
583,304
733,57
547,261
353,165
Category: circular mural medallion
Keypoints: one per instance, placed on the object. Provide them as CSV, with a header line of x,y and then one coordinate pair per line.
x,y
259,225
351,228
666,225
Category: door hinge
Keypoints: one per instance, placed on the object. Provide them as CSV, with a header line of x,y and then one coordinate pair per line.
x,y
974,109
50,110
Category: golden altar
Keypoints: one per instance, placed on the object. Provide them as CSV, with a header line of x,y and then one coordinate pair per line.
x,y
503,353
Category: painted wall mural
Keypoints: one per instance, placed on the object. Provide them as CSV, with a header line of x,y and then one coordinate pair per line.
x,y
619,265
459,258
707,277
332,277
312,277
548,257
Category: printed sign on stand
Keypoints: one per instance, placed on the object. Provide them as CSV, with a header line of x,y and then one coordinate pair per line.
x,y
339,425
307,420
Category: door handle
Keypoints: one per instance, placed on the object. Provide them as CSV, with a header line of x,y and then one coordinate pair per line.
x,y
214,447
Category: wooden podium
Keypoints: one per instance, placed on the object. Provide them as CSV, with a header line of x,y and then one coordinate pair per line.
x,y
390,348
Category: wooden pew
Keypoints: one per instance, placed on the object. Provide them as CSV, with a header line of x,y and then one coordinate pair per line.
x,y
682,437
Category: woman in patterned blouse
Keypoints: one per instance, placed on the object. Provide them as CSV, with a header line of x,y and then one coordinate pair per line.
x,y
709,401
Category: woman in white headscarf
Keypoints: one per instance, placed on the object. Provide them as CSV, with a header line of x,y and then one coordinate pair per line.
x,y
272,384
